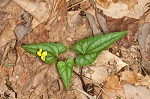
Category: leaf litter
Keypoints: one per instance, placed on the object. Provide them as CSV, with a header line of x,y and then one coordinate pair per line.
x,y
112,73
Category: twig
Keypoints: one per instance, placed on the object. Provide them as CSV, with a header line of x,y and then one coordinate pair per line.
x,y
76,4
82,81
144,71
5,53
83,92
95,84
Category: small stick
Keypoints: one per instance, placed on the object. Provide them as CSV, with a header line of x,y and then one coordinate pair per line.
x,y
76,4
83,92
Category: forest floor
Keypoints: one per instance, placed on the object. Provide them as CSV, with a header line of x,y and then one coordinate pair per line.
x,y
122,71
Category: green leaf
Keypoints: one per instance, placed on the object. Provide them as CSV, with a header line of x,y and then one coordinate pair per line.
x,y
65,70
89,48
50,58
83,60
53,50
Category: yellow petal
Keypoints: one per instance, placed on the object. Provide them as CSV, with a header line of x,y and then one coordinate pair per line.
x,y
40,50
44,53
39,53
43,58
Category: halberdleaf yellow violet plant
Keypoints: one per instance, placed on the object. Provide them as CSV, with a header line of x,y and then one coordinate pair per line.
x,y
42,54
88,50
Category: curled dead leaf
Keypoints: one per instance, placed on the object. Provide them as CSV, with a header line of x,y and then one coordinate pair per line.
x,y
95,29
102,22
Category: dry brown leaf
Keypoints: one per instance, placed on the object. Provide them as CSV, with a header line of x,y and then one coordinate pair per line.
x,y
36,35
131,56
78,28
3,19
4,3
104,3
113,88
122,24
4,71
141,7
96,73
14,11
39,77
3,87
136,92
8,34
77,84
113,82
144,42
147,19
37,91
130,77
121,9
130,3
38,10
23,28
5,54
55,86
91,19
102,22
74,19
11,59
145,81
107,59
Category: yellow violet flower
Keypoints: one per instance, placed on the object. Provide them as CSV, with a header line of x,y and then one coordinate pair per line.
x,y
42,54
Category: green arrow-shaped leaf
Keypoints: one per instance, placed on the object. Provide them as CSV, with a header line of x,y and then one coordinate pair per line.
x,y
89,48
52,49
65,70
